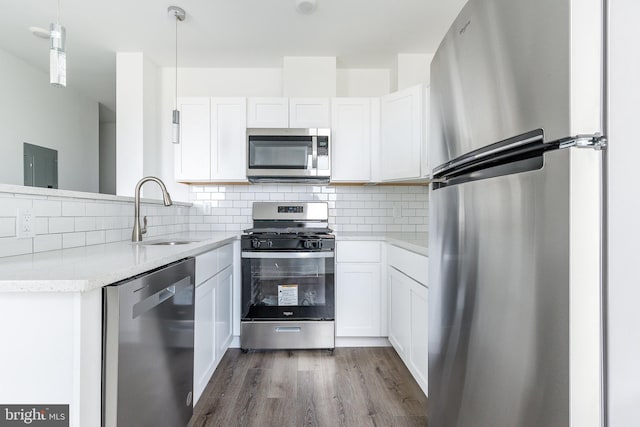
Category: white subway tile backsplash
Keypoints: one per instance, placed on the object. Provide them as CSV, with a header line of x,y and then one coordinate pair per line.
x,y
42,225
63,222
85,223
73,240
351,208
7,227
113,236
96,237
10,246
73,208
47,208
61,225
47,242
10,205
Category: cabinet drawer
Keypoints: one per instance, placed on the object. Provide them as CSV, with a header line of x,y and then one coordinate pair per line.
x,y
225,256
410,263
206,266
358,251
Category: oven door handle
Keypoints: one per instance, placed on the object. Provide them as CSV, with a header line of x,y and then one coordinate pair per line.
x,y
290,255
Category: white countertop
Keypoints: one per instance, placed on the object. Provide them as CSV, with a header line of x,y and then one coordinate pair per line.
x,y
415,242
90,267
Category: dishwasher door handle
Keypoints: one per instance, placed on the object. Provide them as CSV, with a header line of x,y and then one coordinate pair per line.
x,y
153,301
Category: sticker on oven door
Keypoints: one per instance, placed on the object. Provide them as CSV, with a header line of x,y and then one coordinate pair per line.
x,y
287,294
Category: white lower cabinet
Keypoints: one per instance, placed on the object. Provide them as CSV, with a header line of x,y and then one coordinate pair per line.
x,y
358,300
213,314
408,311
419,350
360,295
399,314
223,311
204,356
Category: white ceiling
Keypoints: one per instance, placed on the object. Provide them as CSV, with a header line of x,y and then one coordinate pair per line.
x,y
222,33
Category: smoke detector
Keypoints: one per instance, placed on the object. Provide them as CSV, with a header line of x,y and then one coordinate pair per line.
x,y
306,7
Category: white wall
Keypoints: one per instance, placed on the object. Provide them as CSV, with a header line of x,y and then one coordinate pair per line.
x,y
107,158
309,76
129,119
151,156
353,82
624,212
413,69
62,119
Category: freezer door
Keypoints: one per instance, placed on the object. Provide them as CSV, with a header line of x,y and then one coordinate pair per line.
x,y
502,69
505,256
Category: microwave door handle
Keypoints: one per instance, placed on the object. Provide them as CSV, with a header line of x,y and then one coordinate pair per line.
x,y
314,154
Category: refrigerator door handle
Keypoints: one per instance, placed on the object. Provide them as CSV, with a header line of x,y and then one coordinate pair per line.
x,y
595,141
506,151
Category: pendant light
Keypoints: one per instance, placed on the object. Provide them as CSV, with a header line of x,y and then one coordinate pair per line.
x,y
179,15
57,53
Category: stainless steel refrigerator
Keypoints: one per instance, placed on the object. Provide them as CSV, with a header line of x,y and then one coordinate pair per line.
x,y
515,216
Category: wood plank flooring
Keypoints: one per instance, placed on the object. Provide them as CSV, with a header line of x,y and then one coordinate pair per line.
x,y
351,387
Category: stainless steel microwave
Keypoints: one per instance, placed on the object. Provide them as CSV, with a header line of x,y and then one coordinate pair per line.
x,y
289,155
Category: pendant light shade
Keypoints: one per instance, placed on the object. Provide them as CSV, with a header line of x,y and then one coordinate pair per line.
x,y
179,14
57,53
57,56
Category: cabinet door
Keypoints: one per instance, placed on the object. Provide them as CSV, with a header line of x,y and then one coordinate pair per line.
x,y
402,134
351,139
204,355
228,139
192,155
223,311
268,113
309,113
358,300
419,353
399,311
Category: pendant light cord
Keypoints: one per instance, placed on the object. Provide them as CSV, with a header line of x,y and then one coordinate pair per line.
x,y
176,60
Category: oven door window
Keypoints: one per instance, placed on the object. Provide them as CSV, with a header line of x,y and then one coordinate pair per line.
x,y
281,288
280,152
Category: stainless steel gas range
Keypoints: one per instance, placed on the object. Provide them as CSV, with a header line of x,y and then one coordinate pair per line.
x,y
288,270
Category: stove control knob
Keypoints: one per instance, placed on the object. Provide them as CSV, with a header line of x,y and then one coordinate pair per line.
x,y
269,243
308,244
319,244
255,243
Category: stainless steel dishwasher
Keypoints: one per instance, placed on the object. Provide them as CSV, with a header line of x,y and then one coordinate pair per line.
x,y
147,373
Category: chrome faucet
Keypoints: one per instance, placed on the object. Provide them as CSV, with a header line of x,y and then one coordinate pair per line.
x,y
136,236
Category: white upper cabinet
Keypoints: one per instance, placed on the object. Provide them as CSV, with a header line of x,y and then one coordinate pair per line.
x,y
352,128
193,153
268,113
228,139
212,140
309,113
402,135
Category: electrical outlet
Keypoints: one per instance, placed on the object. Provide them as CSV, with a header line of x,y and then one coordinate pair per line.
x,y
25,223
397,212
